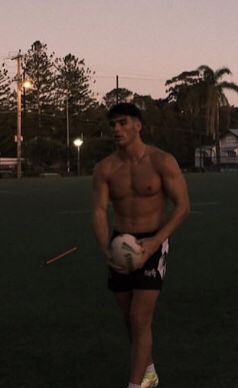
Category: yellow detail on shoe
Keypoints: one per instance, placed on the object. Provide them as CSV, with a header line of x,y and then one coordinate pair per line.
x,y
150,380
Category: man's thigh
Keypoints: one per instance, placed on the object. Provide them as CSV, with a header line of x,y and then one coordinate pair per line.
x,y
123,300
143,304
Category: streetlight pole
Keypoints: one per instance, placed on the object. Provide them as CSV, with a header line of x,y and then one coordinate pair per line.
x,y
67,134
78,142
78,161
19,137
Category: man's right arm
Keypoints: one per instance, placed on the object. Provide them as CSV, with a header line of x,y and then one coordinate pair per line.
x,y
100,207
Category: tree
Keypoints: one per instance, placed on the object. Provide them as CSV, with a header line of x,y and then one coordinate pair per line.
x,y
4,88
93,150
74,96
7,118
44,154
200,95
38,66
234,117
117,95
185,91
73,84
215,99
150,115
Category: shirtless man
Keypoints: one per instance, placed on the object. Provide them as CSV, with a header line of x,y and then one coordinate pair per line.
x,y
138,179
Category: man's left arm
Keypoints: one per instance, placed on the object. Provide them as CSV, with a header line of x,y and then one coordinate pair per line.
x,y
175,188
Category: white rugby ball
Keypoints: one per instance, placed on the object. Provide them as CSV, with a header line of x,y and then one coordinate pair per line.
x,y
126,251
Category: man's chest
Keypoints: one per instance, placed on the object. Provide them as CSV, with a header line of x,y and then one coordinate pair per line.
x,y
134,179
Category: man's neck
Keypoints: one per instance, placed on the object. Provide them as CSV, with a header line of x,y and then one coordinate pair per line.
x,y
134,153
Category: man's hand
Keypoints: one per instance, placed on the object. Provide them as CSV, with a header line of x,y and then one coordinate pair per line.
x,y
149,246
118,268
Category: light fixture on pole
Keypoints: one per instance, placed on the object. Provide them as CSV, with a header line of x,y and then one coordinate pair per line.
x,y
78,142
27,84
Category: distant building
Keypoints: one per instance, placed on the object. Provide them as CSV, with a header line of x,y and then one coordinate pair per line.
x,y
205,156
8,166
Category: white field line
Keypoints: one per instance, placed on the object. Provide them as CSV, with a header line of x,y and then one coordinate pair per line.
x,y
199,212
215,203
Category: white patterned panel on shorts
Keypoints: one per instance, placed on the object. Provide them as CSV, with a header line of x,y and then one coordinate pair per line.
x,y
162,260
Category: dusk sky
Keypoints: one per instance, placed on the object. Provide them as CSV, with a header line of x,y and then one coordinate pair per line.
x,y
145,42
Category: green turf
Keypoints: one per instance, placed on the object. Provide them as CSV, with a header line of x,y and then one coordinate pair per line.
x,y
60,327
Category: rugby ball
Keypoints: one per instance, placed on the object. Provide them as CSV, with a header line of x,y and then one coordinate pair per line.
x,y
126,252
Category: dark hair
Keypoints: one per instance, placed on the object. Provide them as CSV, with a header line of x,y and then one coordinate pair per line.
x,y
124,108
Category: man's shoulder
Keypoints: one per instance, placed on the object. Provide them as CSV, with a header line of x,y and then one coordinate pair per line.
x,y
161,159
104,166
159,155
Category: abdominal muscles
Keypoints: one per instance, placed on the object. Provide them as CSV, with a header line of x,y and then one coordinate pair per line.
x,y
139,214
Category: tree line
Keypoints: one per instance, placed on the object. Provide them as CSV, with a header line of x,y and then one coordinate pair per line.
x,y
195,112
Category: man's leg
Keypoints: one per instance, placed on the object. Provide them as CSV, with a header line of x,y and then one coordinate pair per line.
x,y
141,313
124,302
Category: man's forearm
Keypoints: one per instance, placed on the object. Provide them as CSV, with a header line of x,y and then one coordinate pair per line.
x,y
175,219
101,229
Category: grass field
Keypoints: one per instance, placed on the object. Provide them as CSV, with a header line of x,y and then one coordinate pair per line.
x,y
60,327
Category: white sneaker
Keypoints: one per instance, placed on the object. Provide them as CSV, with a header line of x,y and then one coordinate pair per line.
x,y
150,380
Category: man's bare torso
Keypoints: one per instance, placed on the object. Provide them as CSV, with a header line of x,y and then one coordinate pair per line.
x,y
136,192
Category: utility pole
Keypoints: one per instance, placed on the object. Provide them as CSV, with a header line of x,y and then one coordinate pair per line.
x,y
117,88
18,137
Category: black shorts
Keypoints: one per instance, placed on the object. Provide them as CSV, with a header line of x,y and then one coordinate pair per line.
x,y
149,277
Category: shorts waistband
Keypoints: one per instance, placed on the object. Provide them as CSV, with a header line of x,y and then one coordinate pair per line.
x,y
138,235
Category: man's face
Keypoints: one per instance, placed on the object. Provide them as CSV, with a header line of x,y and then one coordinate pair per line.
x,y
125,129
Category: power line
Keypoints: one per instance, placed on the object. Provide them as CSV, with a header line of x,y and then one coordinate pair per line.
x,y
144,78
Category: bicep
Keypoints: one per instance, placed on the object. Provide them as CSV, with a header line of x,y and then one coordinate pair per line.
x,y
100,191
174,182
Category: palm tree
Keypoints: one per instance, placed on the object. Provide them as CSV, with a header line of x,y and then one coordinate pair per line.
x,y
186,91
214,98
